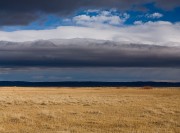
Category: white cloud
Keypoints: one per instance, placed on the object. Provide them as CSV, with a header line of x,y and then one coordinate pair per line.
x,y
102,18
92,11
138,22
155,15
95,20
106,13
159,32
67,20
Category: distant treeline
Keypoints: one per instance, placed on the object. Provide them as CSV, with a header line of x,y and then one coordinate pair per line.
x,y
88,84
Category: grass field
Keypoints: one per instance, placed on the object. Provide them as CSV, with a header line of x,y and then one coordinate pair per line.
x,y
89,110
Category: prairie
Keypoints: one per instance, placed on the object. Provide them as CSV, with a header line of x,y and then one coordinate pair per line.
x,y
89,110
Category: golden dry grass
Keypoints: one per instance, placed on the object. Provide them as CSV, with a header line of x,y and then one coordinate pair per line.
x,y
89,110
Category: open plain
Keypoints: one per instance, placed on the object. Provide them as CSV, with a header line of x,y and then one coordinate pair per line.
x,y
89,110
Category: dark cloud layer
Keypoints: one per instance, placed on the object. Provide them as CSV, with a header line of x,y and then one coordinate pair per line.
x,y
22,12
106,54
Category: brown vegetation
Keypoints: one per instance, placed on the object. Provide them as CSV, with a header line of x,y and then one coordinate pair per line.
x,y
147,87
88,110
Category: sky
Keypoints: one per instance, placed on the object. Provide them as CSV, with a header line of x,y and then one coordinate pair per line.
x,y
90,40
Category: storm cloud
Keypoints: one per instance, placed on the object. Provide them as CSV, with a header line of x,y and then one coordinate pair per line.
x,y
86,53
23,12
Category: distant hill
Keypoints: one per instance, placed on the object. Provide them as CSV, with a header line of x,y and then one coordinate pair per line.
x,y
88,84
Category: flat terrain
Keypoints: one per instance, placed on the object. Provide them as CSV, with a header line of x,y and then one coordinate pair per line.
x,y
88,110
